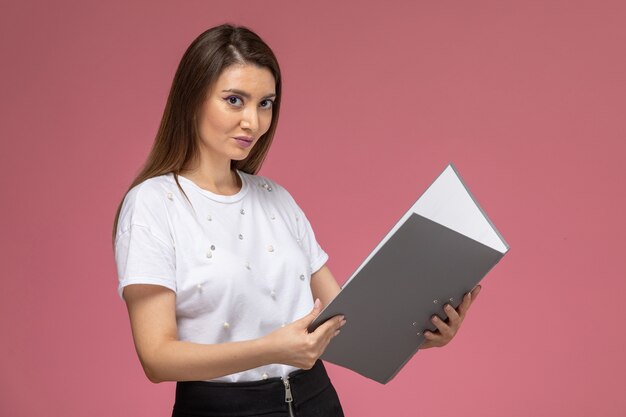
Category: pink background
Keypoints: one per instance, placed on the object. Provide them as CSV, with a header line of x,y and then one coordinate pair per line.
x,y
526,98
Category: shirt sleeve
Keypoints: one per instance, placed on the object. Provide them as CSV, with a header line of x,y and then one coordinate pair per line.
x,y
305,235
144,248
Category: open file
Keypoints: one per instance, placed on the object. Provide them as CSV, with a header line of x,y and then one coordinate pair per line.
x,y
438,251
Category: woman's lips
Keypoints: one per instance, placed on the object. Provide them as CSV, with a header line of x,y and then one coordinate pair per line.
x,y
244,142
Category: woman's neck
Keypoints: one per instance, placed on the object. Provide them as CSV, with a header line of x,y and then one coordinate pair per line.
x,y
219,180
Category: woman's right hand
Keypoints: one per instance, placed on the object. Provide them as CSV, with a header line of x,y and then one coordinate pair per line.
x,y
295,346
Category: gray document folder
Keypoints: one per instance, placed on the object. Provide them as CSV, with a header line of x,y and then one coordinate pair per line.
x,y
440,249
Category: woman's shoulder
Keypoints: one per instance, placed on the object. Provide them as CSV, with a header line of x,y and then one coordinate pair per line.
x,y
264,183
274,192
146,203
152,188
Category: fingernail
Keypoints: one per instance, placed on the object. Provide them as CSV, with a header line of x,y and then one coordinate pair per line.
x,y
342,323
448,307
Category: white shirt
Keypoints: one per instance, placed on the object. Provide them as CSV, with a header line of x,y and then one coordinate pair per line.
x,y
240,265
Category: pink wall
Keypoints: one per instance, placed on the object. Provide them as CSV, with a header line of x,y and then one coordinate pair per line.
x,y
527,98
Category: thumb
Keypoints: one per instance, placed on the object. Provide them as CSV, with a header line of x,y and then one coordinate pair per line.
x,y
308,319
317,308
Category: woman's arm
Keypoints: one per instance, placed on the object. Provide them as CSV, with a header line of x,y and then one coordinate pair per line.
x,y
151,309
324,285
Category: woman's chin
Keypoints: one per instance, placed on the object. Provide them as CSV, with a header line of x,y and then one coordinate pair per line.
x,y
239,157
240,154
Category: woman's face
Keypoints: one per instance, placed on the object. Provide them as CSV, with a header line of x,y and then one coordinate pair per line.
x,y
236,112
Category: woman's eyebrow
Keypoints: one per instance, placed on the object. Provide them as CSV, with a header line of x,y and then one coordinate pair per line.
x,y
244,94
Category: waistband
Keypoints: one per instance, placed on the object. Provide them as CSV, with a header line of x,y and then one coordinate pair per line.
x,y
204,398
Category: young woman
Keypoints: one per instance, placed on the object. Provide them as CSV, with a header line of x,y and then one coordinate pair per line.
x,y
219,267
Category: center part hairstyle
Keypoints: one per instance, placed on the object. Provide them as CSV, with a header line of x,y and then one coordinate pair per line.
x,y
175,145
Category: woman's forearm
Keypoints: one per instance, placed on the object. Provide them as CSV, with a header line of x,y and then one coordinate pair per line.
x,y
165,358
176,360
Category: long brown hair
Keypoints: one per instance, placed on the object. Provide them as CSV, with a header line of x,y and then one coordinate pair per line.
x,y
208,55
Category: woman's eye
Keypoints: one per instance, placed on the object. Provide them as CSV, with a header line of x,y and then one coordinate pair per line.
x,y
233,100
267,104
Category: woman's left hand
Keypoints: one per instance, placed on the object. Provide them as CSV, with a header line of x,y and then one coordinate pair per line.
x,y
447,329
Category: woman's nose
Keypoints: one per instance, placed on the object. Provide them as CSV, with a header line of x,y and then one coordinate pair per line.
x,y
250,120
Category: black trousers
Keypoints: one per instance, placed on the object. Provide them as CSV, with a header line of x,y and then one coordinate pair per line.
x,y
306,393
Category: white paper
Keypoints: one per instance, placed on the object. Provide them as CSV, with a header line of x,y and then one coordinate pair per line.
x,y
447,201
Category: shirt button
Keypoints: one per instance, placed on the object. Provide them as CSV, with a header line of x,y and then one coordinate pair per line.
x,y
170,196
270,248
240,236
264,376
209,254
226,325
273,294
209,218
301,277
